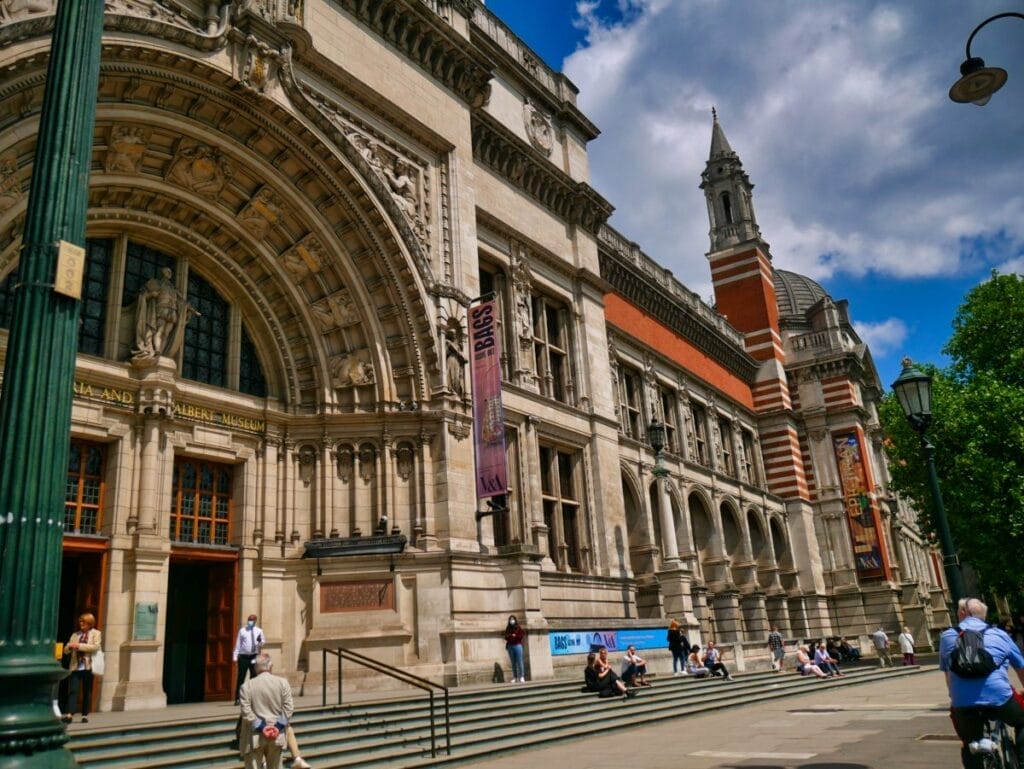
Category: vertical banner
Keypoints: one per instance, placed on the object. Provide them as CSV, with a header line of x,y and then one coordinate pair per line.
x,y
860,511
488,419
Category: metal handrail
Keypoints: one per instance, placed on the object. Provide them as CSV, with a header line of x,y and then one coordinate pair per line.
x,y
398,674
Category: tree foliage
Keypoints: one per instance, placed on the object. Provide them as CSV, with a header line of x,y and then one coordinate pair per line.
x,y
978,433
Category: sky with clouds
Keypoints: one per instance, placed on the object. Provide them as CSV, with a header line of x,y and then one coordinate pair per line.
x,y
867,177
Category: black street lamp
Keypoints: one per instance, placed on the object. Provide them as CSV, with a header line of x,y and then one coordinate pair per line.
x,y
913,389
979,82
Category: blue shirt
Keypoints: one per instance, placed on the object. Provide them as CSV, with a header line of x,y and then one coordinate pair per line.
x,y
993,690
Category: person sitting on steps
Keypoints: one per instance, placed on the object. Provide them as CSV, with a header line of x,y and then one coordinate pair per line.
x,y
634,668
713,662
804,665
599,677
694,664
826,661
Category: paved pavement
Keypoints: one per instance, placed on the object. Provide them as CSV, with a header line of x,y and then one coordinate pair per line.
x,y
902,723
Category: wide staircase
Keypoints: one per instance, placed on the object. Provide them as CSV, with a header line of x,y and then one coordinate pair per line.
x,y
484,722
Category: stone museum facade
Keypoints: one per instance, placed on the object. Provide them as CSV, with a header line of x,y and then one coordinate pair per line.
x,y
293,206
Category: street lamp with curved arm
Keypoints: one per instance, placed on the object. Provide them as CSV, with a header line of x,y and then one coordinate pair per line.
x,y
978,82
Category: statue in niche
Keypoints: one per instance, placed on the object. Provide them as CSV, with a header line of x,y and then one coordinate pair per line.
x,y
161,313
455,361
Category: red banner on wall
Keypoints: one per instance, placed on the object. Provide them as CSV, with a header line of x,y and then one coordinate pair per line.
x,y
861,511
488,418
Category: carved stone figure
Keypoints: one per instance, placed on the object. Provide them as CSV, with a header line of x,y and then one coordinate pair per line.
x,y
538,128
260,213
351,370
455,361
10,190
201,169
161,313
11,8
127,147
303,258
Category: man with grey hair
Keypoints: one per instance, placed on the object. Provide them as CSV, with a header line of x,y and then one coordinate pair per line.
x,y
267,708
974,699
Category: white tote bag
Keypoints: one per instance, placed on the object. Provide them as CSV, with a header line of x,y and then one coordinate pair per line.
x,y
99,664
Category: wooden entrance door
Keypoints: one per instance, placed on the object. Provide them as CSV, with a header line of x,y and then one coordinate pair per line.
x,y
220,632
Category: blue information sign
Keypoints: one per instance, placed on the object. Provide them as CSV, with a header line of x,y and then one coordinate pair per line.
x,y
586,641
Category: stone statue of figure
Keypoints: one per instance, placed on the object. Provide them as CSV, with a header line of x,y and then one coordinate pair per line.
x,y
455,362
161,315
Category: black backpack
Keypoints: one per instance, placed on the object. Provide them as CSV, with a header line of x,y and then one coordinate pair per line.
x,y
970,658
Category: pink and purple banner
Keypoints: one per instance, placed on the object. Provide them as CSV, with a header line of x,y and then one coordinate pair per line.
x,y
488,419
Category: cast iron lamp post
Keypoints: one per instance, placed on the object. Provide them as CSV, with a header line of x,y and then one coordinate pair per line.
x,y
913,389
656,434
979,82
35,406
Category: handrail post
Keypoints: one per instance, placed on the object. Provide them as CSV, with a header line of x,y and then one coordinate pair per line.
x,y
447,724
339,676
433,738
323,678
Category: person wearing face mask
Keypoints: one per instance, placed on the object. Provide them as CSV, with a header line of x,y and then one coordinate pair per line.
x,y
248,644
514,635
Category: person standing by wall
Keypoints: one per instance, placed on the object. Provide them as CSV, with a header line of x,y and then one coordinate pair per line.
x,y
514,635
907,646
84,643
248,645
679,645
777,647
881,642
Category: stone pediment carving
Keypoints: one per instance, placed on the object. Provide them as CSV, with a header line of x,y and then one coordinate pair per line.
x,y
201,169
538,128
528,169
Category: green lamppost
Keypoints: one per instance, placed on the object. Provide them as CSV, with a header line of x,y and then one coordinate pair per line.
x,y
35,406
913,389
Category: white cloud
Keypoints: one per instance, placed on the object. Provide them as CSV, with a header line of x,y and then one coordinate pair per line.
x,y
862,165
883,337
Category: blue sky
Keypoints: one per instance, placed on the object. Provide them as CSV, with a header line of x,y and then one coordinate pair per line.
x,y
867,177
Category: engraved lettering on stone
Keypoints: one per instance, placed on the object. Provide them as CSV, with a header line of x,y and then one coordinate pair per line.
x,y
127,148
201,169
356,596
352,369
260,213
303,258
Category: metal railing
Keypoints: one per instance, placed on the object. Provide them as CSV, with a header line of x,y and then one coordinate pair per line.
x,y
400,675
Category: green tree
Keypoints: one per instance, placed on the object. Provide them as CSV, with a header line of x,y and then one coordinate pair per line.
x,y
978,433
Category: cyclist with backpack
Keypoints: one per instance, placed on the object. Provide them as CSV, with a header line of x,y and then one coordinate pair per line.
x,y
975,658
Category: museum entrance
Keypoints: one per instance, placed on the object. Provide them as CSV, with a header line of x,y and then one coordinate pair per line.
x,y
199,633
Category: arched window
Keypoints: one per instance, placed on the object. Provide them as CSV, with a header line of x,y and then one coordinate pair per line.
x,y
727,207
212,342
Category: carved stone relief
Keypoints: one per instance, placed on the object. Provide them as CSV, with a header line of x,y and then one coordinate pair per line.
x,y
538,128
11,9
404,180
346,461
150,9
367,462
260,213
404,460
259,59
307,464
10,189
303,258
521,287
201,169
126,149
335,310
352,369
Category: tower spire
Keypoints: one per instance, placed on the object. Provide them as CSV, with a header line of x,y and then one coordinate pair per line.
x,y
728,191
